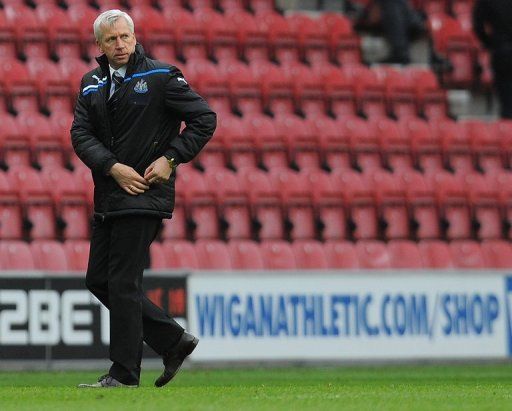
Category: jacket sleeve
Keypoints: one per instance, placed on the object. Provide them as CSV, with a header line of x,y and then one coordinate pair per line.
x,y
479,21
190,107
87,146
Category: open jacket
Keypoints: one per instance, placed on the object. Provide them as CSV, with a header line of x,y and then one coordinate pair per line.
x,y
153,101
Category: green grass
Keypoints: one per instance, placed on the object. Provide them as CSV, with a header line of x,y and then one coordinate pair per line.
x,y
454,387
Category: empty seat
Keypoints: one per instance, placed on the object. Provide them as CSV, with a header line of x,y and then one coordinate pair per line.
x,y
497,253
341,254
373,254
245,255
467,254
180,254
213,254
309,254
77,254
404,254
49,255
435,254
16,255
278,255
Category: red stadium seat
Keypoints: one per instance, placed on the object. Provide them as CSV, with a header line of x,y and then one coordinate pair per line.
x,y
340,91
11,220
63,36
302,141
49,255
199,203
344,44
373,254
390,199
435,254
278,255
497,253
363,220
213,254
309,254
453,205
280,36
251,36
370,91
176,227
456,145
45,144
297,201
404,254
334,143
157,260
431,99
21,90
422,206
245,255
485,146
70,202
180,254
31,33
77,254
266,210
364,143
14,142
16,255
240,141
426,146
37,202
395,145
486,213
456,45
232,203
341,254
330,209
467,254
311,37
271,145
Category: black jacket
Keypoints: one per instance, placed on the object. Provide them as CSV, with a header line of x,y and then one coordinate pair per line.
x,y
153,101
492,23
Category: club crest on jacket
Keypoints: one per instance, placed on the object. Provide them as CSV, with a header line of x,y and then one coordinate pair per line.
x,y
141,87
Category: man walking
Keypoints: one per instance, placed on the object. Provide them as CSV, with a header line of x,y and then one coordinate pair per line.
x,y
126,129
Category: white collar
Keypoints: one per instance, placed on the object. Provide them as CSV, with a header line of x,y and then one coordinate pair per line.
x,y
120,70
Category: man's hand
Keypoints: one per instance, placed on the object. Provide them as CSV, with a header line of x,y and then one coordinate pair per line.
x,y
129,180
158,171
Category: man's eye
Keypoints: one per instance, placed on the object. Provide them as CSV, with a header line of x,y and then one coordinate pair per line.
x,y
125,36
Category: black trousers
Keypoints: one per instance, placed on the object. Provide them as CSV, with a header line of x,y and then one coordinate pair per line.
x,y
118,255
396,18
503,85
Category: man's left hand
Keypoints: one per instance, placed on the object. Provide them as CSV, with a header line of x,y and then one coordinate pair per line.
x,y
158,171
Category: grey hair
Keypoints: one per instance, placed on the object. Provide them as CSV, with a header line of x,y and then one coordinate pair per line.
x,y
109,17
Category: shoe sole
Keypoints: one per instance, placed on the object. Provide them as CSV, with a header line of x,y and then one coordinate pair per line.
x,y
164,379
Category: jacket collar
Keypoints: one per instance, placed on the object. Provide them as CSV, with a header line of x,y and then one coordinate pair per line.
x,y
136,57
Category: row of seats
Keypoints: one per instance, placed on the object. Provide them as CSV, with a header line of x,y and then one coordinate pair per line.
x,y
278,255
49,30
289,141
40,84
353,143
279,204
213,254
284,204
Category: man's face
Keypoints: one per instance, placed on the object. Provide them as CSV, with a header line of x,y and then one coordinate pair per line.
x,y
117,42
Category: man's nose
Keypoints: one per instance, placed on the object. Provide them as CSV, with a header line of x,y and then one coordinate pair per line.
x,y
119,43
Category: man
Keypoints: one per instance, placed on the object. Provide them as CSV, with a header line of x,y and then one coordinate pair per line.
x,y
398,20
126,129
492,23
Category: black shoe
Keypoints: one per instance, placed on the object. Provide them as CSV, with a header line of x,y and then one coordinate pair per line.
x,y
174,359
106,381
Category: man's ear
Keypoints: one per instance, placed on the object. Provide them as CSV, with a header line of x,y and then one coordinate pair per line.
x,y
99,46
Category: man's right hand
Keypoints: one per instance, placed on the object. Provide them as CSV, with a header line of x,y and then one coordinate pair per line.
x,y
129,180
